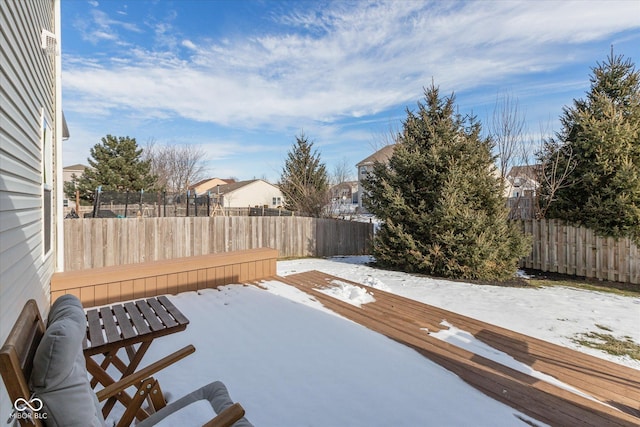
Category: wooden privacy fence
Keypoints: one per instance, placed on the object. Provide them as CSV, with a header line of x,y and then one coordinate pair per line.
x,y
94,243
561,248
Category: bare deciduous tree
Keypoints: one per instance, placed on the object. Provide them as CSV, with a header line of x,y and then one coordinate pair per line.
x,y
557,162
382,139
342,172
176,166
507,129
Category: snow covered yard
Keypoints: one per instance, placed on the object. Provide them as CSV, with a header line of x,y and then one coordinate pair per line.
x,y
554,314
291,362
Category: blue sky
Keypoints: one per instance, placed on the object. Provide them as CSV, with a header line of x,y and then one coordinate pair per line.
x,y
241,79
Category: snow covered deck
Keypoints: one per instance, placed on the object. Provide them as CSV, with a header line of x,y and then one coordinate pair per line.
x,y
317,349
550,383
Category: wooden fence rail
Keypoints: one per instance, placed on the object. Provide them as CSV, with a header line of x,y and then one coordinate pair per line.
x,y
94,243
578,251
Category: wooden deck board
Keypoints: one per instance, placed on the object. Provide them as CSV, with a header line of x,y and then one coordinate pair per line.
x,y
401,318
599,377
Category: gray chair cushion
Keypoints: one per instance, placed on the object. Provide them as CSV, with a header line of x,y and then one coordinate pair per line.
x,y
217,395
59,376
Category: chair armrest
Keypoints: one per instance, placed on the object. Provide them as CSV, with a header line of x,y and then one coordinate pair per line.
x,y
129,380
228,417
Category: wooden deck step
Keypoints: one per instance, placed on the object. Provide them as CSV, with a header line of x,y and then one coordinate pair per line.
x,y
403,320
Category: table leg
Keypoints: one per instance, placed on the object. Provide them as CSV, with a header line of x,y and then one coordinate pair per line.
x,y
105,379
110,358
135,357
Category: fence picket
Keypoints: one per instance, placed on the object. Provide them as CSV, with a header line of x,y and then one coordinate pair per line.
x,y
90,243
94,242
577,250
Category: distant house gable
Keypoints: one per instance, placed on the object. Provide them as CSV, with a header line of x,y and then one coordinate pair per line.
x,y
521,187
366,166
522,181
255,192
526,171
209,185
382,156
69,171
346,192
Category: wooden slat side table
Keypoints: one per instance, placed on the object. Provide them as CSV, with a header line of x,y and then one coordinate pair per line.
x,y
132,326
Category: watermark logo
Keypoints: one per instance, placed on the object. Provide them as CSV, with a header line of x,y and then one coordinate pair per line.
x,y
34,404
28,409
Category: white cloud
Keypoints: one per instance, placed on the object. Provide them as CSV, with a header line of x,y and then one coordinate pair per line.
x,y
350,60
189,44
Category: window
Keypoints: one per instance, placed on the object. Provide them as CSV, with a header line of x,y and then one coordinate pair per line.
x,y
276,201
47,186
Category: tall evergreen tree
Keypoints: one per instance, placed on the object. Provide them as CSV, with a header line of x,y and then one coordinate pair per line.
x,y
116,165
602,135
304,182
441,201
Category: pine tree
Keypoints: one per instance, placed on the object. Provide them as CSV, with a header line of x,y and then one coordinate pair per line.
x,y
116,165
304,182
441,201
602,135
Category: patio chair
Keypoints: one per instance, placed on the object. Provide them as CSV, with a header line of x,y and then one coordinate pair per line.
x,y
44,371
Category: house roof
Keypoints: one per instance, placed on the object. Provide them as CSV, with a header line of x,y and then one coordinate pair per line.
x,y
78,167
228,188
200,182
525,171
204,181
382,156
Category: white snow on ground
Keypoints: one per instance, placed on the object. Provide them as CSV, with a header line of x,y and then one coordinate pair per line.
x,y
292,362
555,314
292,365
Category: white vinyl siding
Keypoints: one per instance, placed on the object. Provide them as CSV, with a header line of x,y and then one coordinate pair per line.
x,y
257,193
27,94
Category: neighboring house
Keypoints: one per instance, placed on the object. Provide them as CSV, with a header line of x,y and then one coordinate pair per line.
x,y
209,184
345,192
68,172
522,181
343,198
366,166
521,187
248,194
32,130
